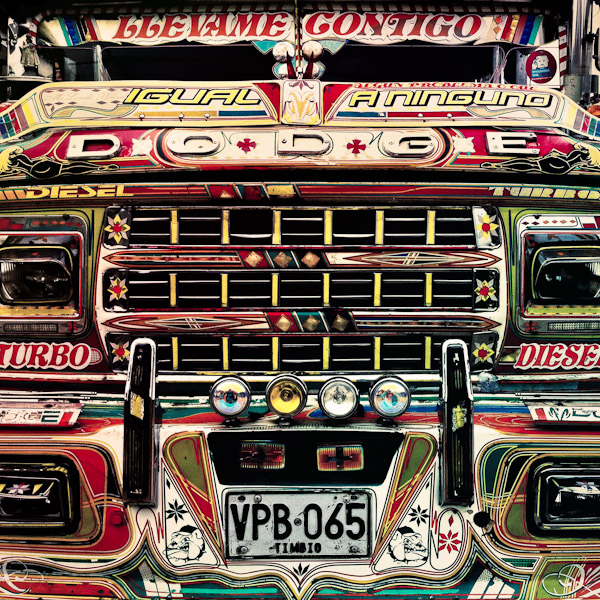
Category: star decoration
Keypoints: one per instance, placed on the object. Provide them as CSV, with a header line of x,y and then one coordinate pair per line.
x,y
487,226
483,354
464,145
176,511
141,147
120,351
117,289
449,541
117,228
418,515
485,291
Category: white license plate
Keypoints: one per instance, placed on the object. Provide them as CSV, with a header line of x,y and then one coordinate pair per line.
x,y
298,524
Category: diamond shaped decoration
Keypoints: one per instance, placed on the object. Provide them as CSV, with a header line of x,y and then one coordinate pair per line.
x,y
339,323
310,259
253,259
282,260
284,323
310,323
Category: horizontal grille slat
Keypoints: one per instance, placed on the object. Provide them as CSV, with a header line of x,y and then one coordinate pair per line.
x,y
347,353
299,289
297,227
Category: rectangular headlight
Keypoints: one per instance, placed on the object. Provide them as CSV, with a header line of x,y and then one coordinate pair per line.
x,y
39,498
559,283
42,275
565,498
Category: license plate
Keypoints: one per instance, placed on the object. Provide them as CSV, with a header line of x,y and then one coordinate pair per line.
x,y
298,524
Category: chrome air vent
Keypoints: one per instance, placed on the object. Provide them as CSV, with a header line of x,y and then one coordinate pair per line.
x,y
199,227
454,227
405,227
354,227
352,289
150,227
250,226
301,353
452,289
302,229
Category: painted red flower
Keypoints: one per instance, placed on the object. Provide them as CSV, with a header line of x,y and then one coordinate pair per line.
x,y
449,542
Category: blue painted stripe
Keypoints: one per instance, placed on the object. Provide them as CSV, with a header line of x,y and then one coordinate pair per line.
x,y
362,115
525,36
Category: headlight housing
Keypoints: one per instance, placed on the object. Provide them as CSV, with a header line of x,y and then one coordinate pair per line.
x,y
286,395
339,398
389,396
230,396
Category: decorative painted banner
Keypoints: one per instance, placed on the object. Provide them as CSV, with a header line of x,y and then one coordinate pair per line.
x,y
152,29
381,28
227,27
47,356
296,102
200,104
389,104
558,356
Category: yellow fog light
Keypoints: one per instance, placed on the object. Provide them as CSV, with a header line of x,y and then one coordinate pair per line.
x,y
230,396
338,398
389,396
286,395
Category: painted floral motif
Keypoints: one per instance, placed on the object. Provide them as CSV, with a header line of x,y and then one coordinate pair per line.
x,y
117,228
464,145
485,291
247,145
117,289
176,511
418,515
18,488
120,351
531,326
487,226
141,147
449,541
356,146
483,354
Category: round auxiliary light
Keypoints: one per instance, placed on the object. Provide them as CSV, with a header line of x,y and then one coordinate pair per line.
x,y
286,395
338,398
389,396
230,396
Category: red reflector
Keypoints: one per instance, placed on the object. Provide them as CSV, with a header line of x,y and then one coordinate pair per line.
x,y
340,458
266,456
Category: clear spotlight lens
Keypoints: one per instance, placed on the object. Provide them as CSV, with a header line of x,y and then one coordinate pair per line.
x,y
338,398
230,396
286,395
389,396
